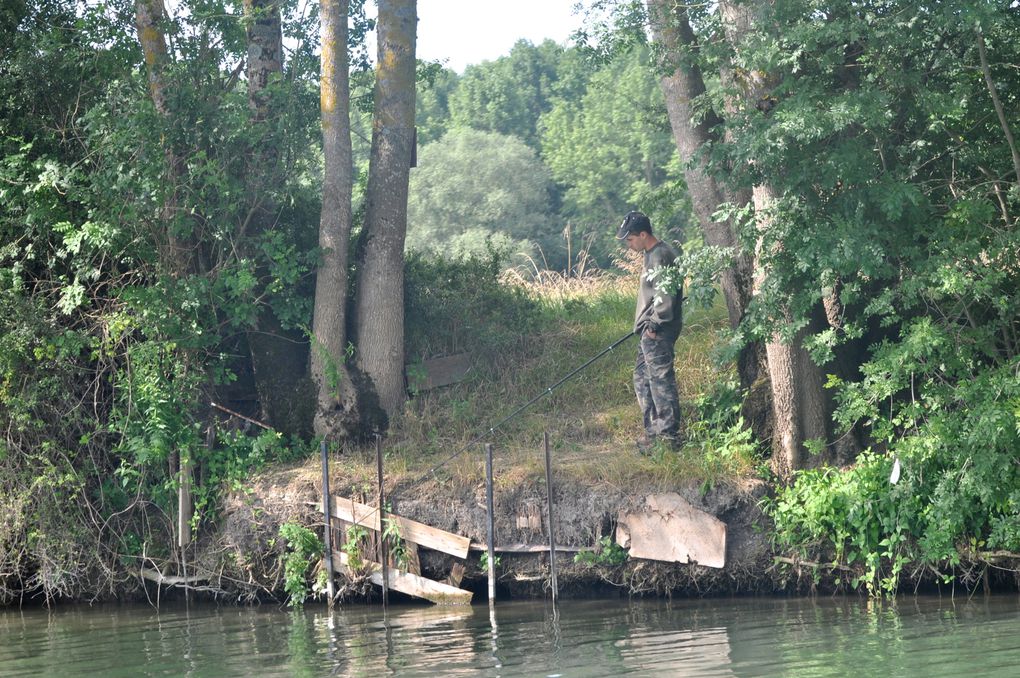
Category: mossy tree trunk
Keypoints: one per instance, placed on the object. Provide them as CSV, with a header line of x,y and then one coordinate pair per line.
x,y
175,250
380,296
334,390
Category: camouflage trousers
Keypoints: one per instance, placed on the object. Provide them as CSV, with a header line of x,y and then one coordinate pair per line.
x,y
655,385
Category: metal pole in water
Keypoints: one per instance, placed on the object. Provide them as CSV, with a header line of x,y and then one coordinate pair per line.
x,y
492,527
327,532
552,529
383,556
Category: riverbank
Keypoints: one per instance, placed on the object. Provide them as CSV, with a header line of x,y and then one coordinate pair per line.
x,y
242,560
586,517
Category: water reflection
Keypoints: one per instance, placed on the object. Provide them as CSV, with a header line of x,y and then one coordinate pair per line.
x,y
745,637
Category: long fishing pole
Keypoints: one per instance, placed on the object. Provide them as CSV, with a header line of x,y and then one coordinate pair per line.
x,y
526,405
513,414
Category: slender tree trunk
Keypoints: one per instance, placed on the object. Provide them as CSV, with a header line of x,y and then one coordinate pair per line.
x,y
148,16
681,85
798,398
330,317
380,296
997,103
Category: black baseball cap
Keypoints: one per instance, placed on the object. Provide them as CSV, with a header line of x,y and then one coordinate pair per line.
x,y
633,223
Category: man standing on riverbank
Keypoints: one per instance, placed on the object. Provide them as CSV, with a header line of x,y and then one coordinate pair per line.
x,y
657,322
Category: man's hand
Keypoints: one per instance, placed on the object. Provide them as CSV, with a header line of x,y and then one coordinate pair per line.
x,y
651,334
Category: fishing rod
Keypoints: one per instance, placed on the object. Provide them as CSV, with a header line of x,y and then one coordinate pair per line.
x,y
547,391
477,439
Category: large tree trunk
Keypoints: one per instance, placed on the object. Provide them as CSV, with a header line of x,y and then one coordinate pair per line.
x,y
330,317
798,398
279,356
380,296
681,85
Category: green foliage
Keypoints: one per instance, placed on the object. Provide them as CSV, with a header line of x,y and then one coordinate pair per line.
x,y
472,189
432,107
396,548
484,561
607,552
858,513
461,304
120,316
355,537
507,95
956,442
611,149
304,548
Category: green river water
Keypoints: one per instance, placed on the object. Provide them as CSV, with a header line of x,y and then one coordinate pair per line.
x,y
912,636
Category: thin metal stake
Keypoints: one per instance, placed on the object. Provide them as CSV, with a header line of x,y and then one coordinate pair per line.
x,y
383,555
492,527
552,529
327,532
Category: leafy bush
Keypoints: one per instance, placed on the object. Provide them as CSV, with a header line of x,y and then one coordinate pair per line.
x,y
304,548
957,493
607,552
856,512
456,305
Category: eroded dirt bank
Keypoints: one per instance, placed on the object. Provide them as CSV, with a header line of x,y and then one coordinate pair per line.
x,y
243,557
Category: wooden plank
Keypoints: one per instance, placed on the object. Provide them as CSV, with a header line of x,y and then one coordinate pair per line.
x,y
437,372
531,548
170,579
411,584
351,511
671,530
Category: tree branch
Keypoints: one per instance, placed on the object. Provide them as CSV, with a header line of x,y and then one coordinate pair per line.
x,y
998,105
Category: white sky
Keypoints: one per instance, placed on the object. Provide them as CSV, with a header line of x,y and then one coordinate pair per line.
x,y
463,32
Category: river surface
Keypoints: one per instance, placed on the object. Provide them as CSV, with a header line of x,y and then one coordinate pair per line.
x,y
924,636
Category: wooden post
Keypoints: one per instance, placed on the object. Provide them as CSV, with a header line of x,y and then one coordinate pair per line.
x,y
327,532
492,528
552,529
184,512
184,501
383,556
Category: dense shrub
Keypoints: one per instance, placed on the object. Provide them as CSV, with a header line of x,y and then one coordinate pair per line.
x,y
461,305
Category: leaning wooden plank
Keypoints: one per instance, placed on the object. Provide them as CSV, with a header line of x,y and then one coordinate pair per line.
x,y
411,584
423,535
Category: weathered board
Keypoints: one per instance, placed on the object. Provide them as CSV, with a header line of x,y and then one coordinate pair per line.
x,y
354,512
672,530
530,548
411,584
437,372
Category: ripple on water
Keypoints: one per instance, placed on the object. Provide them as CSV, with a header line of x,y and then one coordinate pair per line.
x,y
929,637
